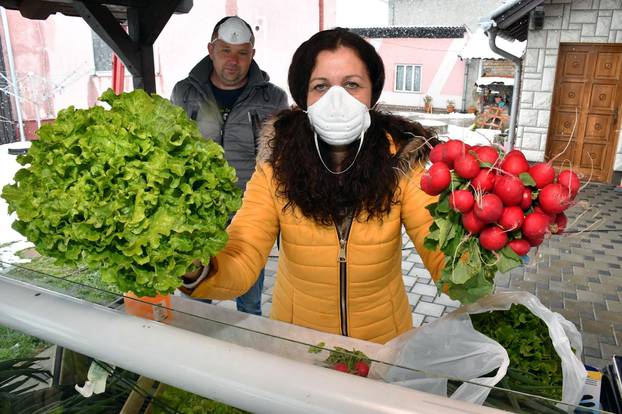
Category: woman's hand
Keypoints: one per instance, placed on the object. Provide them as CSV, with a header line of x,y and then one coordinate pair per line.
x,y
191,278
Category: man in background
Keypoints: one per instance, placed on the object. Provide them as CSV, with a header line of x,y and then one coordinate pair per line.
x,y
229,97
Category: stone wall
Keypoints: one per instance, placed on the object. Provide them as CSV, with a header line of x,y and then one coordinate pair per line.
x,y
588,21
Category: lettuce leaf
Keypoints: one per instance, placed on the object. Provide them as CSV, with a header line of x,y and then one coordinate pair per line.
x,y
134,191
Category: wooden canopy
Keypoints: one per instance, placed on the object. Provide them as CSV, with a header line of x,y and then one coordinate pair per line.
x,y
145,20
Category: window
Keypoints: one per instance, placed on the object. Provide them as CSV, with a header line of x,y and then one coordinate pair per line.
x,y
408,78
102,54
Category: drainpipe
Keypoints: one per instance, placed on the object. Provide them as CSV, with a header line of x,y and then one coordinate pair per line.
x,y
9,53
465,84
518,66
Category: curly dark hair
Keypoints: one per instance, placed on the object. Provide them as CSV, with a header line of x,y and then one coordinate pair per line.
x,y
368,188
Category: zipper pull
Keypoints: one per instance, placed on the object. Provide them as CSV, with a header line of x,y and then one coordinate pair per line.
x,y
342,251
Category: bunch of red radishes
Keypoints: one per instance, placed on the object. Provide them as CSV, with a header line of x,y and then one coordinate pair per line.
x,y
501,198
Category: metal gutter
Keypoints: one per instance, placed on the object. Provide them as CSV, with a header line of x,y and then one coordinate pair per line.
x,y
518,67
240,376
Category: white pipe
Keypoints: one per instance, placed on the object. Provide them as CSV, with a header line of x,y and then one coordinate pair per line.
x,y
9,53
243,377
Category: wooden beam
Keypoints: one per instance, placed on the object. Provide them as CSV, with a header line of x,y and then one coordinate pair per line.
x,y
146,78
36,9
154,18
101,20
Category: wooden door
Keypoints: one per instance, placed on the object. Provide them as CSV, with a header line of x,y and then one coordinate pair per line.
x,y
587,97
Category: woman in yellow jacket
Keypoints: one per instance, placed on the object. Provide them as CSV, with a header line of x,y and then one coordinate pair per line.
x,y
337,181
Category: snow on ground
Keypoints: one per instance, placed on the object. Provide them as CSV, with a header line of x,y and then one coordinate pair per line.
x,y
477,137
434,115
10,240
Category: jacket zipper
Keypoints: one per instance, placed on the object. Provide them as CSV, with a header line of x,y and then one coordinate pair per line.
x,y
236,103
343,272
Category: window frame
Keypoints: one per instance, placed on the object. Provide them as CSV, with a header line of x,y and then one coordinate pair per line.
x,y
405,65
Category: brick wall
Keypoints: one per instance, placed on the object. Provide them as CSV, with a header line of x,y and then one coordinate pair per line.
x,y
588,21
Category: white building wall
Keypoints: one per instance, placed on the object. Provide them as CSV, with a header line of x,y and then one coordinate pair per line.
x,y
584,21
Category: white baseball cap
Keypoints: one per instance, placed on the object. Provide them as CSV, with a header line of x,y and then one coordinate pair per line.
x,y
235,31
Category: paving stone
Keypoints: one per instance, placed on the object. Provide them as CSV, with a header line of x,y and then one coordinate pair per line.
x,y
586,296
592,352
421,273
409,281
417,319
431,309
413,298
426,290
406,266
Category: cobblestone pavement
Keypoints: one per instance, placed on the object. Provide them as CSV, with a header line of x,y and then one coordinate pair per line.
x,y
578,275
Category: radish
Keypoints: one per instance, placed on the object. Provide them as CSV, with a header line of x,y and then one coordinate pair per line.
x,y
570,180
484,181
466,166
515,163
493,238
461,200
535,242
535,227
436,154
362,368
526,200
512,218
509,189
559,225
538,209
487,154
488,208
436,179
554,198
341,366
520,246
453,149
471,223
542,173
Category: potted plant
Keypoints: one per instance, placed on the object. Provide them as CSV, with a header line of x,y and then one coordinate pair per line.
x,y
427,103
451,106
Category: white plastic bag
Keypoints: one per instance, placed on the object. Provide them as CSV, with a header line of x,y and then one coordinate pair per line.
x,y
563,333
446,348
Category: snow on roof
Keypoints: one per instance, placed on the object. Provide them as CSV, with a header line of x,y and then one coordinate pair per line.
x,y
477,47
432,32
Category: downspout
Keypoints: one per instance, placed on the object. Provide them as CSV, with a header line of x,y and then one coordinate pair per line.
x,y
518,66
465,84
9,53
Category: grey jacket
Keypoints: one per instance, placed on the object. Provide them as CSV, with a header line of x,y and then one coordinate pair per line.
x,y
238,135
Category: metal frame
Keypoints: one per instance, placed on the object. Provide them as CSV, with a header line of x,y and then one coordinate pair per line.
x,y
241,376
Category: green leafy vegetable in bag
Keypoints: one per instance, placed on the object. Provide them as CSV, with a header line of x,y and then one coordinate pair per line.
x,y
134,191
535,366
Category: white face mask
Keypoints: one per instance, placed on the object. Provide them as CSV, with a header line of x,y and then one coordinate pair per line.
x,y
339,119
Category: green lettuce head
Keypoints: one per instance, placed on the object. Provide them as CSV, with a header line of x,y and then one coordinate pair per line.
x,y
135,192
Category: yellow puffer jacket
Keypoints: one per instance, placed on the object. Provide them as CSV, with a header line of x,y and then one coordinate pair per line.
x,y
367,301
